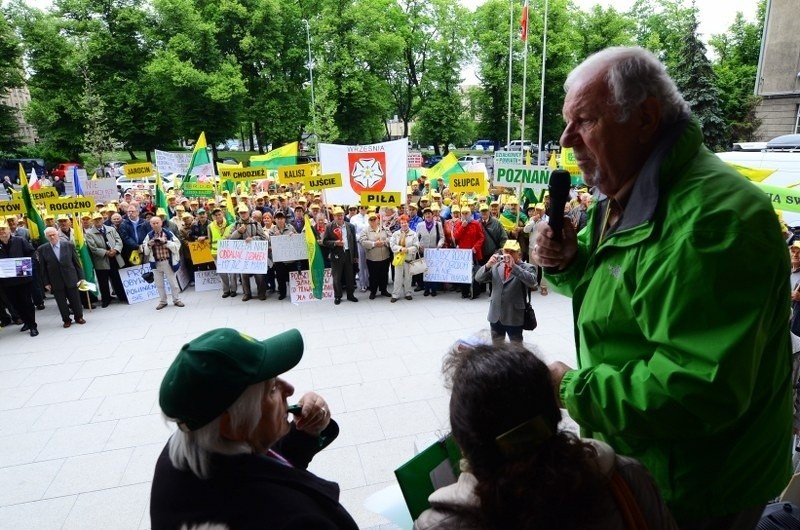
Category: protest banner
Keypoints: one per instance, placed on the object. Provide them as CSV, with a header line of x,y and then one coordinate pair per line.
x,y
101,190
536,178
368,168
473,182
453,265
57,206
142,169
235,256
241,174
300,287
323,182
288,248
415,159
43,194
16,267
167,162
198,189
206,281
13,207
183,276
381,198
297,174
136,289
200,251
507,158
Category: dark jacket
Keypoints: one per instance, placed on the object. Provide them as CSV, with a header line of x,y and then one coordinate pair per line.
x,y
16,247
251,491
198,229
132,234
496,237
331,238
63,271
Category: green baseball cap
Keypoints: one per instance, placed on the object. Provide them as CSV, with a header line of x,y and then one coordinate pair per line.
x,y
211,372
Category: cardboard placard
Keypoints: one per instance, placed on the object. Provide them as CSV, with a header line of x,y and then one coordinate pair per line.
x,y
536,178
235,256
241,174
102,190
200,251
57,206
16,267
382,198
12,207
206,281
43,194
300,287
289,248
197,189
472,182
143,169
323,182
297,174
136,289
453,265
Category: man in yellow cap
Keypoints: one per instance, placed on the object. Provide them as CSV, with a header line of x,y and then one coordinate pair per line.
x,y
511,280
340,237
248,230
105,246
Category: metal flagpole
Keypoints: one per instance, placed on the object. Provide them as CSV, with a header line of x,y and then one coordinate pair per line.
x,y
510,55
524,85
541,94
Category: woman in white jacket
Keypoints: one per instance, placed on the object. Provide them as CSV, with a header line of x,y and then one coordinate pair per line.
x,y
403,241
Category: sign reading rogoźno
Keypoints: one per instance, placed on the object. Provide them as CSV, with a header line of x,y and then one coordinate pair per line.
x,y
72,205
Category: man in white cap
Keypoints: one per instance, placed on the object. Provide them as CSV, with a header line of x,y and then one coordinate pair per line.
x,y
248,230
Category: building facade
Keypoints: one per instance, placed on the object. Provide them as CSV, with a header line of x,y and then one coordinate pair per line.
x,y
778,77
18,99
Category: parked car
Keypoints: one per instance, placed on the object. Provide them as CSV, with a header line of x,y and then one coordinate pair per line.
x,y
483,145
127,184
431,160
787,142
468,159
521,145
9,167
112,169
65,168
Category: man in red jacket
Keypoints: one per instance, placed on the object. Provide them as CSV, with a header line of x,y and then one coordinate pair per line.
x,y
468,234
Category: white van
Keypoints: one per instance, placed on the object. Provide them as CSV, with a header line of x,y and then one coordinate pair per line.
x,y
785,163
520,145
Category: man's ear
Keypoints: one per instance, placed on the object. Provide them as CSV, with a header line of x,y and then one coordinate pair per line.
x,y
225,429
650,119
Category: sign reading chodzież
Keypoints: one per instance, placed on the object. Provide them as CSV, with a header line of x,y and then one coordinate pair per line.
x,y
12,207
42,194
381,198
143,169
297,174
467,182
78,204
240,174
320,182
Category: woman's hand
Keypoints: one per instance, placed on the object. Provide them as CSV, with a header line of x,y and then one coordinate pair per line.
x,y
315,416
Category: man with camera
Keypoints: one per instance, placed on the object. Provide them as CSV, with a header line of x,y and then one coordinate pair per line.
x,y
248,230
511,278
162,250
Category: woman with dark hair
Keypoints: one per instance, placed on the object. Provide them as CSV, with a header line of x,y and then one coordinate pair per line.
x,y
519,470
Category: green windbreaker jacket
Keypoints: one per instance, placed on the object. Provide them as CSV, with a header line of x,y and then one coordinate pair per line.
x,y
681,321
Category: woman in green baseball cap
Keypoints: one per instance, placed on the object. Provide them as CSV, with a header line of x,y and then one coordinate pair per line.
x,y
236,459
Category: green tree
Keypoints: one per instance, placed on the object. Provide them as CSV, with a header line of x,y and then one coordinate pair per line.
x,y
697,82
10,77
54,60
736,65
661,26
97,139
600,28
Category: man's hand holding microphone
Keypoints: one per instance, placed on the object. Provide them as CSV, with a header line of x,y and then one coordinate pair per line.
x,y
556,242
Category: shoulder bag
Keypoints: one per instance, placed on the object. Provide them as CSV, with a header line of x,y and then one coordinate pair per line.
x,y
529,320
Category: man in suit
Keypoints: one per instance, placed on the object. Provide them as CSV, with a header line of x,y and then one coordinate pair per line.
x,y
340,237
62,272
17,291
511,278
105,246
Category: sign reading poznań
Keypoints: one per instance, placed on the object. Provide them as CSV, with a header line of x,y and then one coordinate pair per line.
x,y
536,178
78,204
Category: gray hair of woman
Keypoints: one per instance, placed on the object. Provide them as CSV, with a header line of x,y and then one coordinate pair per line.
x,y
192,450
633,74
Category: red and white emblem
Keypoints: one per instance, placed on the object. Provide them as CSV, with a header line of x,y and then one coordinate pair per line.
x,y
367,171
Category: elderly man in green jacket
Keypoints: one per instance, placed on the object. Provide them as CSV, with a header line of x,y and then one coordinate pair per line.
x,y
679,285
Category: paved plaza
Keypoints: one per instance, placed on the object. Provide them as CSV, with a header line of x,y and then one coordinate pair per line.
x,y
80,426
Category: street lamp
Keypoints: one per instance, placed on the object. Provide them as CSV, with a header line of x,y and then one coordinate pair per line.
x,y
310,67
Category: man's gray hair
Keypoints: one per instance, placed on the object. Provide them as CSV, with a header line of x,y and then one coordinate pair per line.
x,y
50,230
633,74
192,450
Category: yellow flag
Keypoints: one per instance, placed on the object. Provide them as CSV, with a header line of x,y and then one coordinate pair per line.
x,y
756,175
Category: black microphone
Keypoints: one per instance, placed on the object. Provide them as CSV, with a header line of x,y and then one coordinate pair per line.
x,y
559,192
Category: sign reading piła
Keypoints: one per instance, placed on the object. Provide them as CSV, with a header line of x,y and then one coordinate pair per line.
x,y
381,198
78,204
467,182
536,178
297,174
241,174
13,207
42,194
320,182
143,169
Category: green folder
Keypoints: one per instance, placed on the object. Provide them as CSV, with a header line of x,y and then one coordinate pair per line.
x,y
429,470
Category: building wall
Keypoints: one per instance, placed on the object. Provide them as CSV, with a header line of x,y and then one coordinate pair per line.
x,y
779,66
18,98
